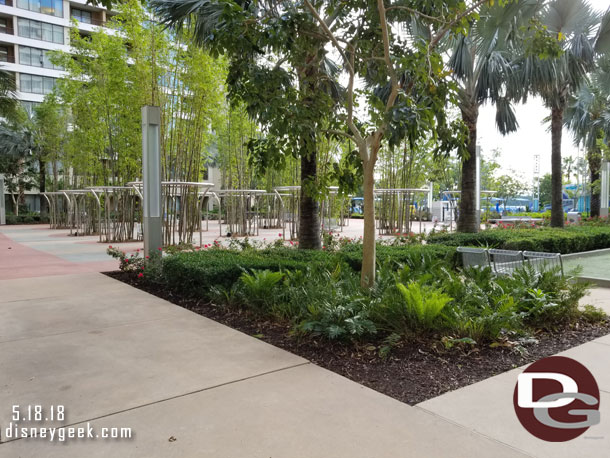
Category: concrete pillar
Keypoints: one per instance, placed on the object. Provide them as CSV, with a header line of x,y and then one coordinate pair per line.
x,y
151,175
605,188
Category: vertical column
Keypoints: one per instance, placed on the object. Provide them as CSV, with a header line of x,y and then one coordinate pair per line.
x,y
478,186
2,203
151,174
605,188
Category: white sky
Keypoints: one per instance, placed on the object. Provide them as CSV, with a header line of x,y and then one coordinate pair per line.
x,y
518,149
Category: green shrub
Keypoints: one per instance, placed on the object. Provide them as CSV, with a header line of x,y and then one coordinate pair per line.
x,y
259,287
26,218
419,309
572,239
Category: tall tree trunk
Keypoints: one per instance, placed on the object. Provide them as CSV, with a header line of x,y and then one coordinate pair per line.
x,y
556,172
595,162
468,220
309,211
367,275
42,186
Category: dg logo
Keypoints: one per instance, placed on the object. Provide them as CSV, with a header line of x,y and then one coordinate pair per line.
x,y
557,399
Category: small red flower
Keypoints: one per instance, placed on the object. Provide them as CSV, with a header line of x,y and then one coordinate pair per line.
x,y
147,257
280,234
140,275
159,248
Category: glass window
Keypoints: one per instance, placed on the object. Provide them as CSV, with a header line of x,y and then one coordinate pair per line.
x,y
24,55
47,32
3,25
49,83
46,7
58,8
23,27
29,106
35,5
46,62
25,83
3,54
58,34
35,30
82,15
23,4
36,84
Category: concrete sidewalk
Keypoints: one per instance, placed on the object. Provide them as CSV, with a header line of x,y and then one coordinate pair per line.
x,y
116,356
487,408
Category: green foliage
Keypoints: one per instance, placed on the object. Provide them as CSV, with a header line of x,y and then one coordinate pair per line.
x,y
259,286
572,239
27,218
112,74
419,310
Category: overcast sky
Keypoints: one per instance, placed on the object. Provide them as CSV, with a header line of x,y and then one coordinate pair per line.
x,y
532,138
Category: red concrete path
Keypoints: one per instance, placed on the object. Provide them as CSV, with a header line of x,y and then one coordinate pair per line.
x,y
20,261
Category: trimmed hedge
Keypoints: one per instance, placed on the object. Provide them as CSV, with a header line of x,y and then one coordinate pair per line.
x,y
196,272
573,239
28,218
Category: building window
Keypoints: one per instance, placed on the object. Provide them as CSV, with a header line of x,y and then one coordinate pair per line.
x,y
3,54
35,84
36,58
29,106
40,31
50,7
5,27
82,15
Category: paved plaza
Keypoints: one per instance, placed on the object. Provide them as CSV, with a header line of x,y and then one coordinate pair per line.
x,y
117,357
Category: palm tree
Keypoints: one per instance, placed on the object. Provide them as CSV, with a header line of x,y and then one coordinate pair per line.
x,y
482,64
573,23
588,117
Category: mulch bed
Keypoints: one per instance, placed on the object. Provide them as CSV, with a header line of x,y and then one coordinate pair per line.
x,y
412,372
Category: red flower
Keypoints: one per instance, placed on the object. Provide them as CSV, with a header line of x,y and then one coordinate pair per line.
x,y
280,234
140,275
147,257
160,248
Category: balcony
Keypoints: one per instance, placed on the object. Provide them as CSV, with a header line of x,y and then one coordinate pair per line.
x,y
7,59
6,2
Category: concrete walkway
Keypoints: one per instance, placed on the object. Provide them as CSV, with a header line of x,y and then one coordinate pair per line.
x,y
115,356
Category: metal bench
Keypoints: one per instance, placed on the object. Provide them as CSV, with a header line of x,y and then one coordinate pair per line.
x,y
544,261
504,262
474,257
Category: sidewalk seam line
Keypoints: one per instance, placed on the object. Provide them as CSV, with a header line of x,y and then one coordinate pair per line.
x,y
262,374
493,439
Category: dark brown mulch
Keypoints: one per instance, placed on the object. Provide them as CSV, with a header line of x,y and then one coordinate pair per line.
x,y
412,372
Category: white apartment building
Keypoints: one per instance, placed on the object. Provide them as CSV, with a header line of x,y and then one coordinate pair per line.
x,y
31,28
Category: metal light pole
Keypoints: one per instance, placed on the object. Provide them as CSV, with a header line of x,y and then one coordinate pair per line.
x,y
605,191
151,177
478,186
2,203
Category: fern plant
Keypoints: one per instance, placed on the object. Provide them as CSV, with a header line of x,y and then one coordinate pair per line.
x,y
258,289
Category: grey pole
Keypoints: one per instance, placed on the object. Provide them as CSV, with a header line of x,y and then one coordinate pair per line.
x,y
605,191
2,203
478,186
151,176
